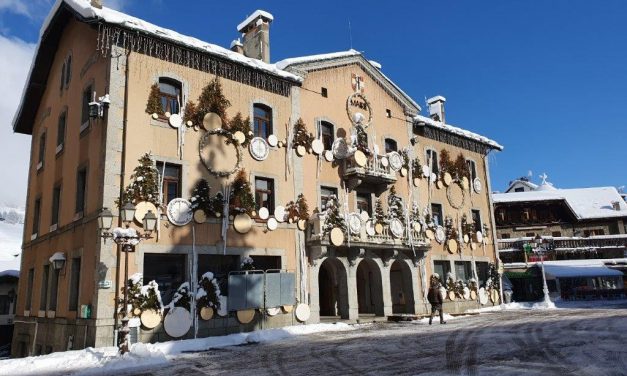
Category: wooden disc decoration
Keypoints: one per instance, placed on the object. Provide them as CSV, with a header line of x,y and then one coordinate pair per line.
x,y
200,216
476,185
494,296
378,228
273,140
242,223
279,213
177,322
302,224
464,183
473,295
142,208
426,172
273,311
206,313
300,150
175,120
440,234
337,237
396,227
360,158
288,308
167,114
364,216
155,116
466,293
430,234
137,311
451,296
385,162
416,182
264,213
370,228
239,137
219,159
317,146
417,226
328,155
403,171
466,238
473,246
479,237
150,318
438,184
448,179
451,244
245,316
302,312
211,121
456,196
272,224
483,296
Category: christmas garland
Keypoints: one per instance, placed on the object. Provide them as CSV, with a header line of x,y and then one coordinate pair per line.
x,y
367,105
203,142
449,195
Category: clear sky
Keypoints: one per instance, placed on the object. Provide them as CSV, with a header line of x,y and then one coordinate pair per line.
x,y
546,79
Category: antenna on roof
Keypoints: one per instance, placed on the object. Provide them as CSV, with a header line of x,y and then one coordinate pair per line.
x,y
350,33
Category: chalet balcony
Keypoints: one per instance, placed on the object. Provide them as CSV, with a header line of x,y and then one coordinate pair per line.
x,y
373,174
562,248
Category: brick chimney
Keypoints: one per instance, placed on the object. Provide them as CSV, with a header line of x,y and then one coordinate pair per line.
x,y
96,4
256,32
436,108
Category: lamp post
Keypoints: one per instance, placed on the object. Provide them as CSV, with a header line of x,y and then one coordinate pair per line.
x,y
541,250
126,239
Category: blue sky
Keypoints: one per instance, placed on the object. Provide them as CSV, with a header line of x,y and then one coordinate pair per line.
x,y
547,79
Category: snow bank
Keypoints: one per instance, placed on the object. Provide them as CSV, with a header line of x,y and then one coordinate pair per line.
x,y
106,361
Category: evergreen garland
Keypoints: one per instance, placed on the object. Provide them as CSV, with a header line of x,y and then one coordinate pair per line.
x,y
208,293
395,205
460,167
445,162
379,214
416,168
144,185
303,208
212,100
242,200
201,198
292,211
301,137
239,124
189,113
153,106
333,218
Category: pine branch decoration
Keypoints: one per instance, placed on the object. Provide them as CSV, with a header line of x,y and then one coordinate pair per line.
x,y
212,100
242,200
153,106
144,185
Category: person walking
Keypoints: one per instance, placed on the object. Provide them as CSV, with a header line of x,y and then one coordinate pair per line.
x,y
435,298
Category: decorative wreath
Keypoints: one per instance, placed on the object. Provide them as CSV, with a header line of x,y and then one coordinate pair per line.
x,y
449,194
363,98
203,142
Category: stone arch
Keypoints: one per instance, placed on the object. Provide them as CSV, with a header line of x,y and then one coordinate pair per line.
x,y
401,287
332,288
369,287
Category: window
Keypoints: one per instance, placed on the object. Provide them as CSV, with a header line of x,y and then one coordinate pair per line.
x,y
463,270
390,145
325,195
220,266
87,96
264,194
432,161
168,270
476,219
388,113
42,150
29,288
436,214
62,82
5,305
68,71
171,175
593,232
43,298
364,203
54,287
81,184
262,120
170,95
56,197
519,189
61,131
442,268
75,279
482,273
505,236
266,262
472,167
324,92
36,213
326,133
556,234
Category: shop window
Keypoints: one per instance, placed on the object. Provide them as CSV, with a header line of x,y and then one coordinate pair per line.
x,y
36,214
436,214
326,133
364,203
220,266
482,272
390,145
29,288
170,95
87,98
61,131
325,195
81,185
266,262
264,194
75,279
43,297
170,173
168,270
442,268
432,161
472,167
463,270
476,220
262,120
56,199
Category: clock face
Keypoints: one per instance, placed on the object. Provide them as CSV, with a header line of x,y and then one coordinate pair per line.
x,y
180,212
476,185
396,227
354,221
259,148
440,235
396,161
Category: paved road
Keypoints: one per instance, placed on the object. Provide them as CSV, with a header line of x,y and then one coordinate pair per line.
x,y
559,342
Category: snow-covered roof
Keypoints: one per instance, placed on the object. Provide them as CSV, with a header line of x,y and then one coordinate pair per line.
x,y
458,131
312,58
258,13
573,271
586,203
513,183
85,10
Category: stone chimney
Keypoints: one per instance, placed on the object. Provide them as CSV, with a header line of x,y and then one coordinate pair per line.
x,y
96,4
237,46
256,32
436,108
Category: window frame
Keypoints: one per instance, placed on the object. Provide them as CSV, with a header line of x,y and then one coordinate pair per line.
x,y
323,198
441,214
472,167
177,85
434,167
81,199
29,288
56,205
258,120
61,131
390,145
479,226
45,282
85,106
41,157
270,191
167,179
36,216
330,127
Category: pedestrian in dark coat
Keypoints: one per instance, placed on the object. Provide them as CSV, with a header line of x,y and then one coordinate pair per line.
x,y
435,298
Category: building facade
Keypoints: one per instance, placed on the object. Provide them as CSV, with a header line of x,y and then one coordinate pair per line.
x,y
106,89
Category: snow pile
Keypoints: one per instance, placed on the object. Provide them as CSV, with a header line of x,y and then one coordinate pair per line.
x,y
129,233
532,306
436,319
106,361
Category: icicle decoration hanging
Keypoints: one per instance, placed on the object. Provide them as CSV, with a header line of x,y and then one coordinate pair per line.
x,y
225,215
160,201
346,214
290,141
194,282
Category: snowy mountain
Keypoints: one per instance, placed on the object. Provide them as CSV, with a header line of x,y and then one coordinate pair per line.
x,y
11,230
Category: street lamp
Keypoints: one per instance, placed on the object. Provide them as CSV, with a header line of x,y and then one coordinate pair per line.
x,y
126,239
541,250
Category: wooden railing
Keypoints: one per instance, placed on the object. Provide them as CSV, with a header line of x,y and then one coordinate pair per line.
x,y
568,243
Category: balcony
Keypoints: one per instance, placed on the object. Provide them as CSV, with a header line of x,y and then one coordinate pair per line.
x,y
374,174
562,248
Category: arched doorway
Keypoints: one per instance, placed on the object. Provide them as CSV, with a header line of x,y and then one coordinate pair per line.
x,y
369,288
333,289
401,288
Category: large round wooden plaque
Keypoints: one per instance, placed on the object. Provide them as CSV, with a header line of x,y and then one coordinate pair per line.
x,y
370,228
360,158
378,228
177,322
447,179
452,245
242,223
200,216
245,316
417,226
300,150
451,296
479,236
385,162
403,171
273,140
206,313
239,136
317,146
302,312
150,319
212,121
466,293
337,237
142,208
302,224
466,238
473,295
175,120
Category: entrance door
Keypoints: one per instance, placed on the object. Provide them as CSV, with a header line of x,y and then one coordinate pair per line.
x,y
401,288
333,289
369,289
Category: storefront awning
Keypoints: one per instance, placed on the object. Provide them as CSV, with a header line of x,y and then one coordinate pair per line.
x,y
568,271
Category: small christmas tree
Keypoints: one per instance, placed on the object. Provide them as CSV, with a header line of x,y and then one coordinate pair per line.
x,y
416,168
242,200
217,204
445,162
189,113
362,141
247,263
240,124
153,106
144,185
493,280
405,157
212,100
303,208
301,137
379,214
152,297
208,293
201,198
395,205
333,218
415,215
134,297
460,167
181,297
292,211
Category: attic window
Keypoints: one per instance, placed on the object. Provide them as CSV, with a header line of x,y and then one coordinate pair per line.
x,y
388,113
323,92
